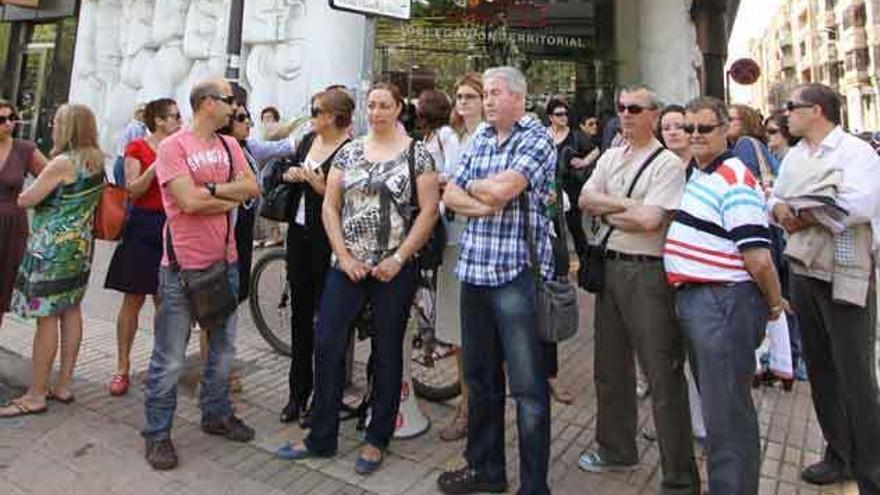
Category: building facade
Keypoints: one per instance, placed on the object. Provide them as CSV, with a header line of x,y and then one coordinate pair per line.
x,y
834,42
122,52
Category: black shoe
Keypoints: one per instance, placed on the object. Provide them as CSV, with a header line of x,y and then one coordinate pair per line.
x,y
160,454
290,413
230,427
824,473
467,480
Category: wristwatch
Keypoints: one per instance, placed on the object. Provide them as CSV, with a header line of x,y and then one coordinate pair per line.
x,y
398,258
212,188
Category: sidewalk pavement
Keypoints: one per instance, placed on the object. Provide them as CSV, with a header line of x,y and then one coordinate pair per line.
x,y
93,446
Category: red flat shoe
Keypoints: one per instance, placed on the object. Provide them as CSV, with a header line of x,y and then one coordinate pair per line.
x,y
119,385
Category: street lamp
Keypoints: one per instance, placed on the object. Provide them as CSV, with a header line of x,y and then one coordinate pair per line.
x,y
233,44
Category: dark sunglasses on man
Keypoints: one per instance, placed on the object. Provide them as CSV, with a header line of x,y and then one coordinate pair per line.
x,y
791,106
699,129
8,119
229,100
632,109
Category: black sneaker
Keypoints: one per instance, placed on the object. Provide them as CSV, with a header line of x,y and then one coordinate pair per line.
x,y
467,480
160,454
230,427
824,473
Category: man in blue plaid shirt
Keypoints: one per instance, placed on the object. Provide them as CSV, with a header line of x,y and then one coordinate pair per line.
x,y
509,156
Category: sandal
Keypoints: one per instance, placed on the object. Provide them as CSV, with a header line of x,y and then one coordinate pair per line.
x,y
17,407
70,399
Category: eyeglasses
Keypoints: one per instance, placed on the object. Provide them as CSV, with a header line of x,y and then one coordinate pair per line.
x,y
7,118
466,96
772,131
632,109
175,116
700,129
229,100
562,113
242,117
672,127
792,106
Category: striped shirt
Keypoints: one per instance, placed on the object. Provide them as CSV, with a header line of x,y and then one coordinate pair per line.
x,y
492,248
722,213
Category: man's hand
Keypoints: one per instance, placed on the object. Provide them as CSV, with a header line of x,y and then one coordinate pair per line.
x,y
785,216
783,307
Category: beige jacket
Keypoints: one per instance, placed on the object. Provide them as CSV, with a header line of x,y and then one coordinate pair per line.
x,y
844,258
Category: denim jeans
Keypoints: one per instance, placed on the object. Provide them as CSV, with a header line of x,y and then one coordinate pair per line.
x,y
498,324
341,301
173,324
724,324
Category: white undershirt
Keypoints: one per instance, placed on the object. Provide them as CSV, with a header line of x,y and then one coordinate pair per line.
x,y
300,218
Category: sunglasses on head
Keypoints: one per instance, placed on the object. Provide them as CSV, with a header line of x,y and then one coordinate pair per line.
x,y
791,106
699,129
229,100
632,109
7,118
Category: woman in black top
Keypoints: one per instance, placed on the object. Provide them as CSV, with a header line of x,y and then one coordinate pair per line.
x,y
308,251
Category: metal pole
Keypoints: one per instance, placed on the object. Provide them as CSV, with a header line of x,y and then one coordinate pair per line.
x,y
233,41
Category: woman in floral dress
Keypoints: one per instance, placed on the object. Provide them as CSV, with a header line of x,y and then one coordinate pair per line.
x,y
54,274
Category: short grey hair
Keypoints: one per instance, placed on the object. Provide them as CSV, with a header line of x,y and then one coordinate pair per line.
x,y
203,90
656,103
513,77
718,107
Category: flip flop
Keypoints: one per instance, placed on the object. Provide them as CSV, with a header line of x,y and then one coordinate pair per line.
x,y
70,399
17,407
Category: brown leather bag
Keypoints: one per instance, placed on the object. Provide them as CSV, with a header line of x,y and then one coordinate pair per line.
x,y
111,213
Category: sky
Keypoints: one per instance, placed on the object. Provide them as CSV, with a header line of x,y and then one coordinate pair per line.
x,y
751,20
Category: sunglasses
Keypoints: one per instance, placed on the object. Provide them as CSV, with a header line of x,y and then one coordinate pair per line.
x,y
632,109
792,106
242,117
10,119
466,96
229,100
560,114
700,129
316,111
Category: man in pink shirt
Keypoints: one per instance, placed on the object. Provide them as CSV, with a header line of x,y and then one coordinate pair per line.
x,y
193,168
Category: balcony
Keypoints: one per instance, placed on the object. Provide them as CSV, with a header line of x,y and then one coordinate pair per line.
x,y
854,38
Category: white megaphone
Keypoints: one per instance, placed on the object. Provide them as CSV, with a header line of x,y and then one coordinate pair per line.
x,y
410,421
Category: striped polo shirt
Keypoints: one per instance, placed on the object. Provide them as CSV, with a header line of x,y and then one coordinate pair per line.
x,y
722,213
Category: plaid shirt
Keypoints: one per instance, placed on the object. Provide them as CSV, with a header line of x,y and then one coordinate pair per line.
x,y
493,249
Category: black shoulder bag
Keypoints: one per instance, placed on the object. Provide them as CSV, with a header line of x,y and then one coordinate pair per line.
x,y
211,300
279,197
430,256
591,275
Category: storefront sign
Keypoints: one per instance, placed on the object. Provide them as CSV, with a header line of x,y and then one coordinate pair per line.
x,y
21,3
396,9
481,35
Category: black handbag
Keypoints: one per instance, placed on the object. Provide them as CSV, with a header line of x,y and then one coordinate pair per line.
x,y
210,296
591,273
430,256
277,199
556,299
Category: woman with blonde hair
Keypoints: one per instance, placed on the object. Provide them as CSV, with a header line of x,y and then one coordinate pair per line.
x,y
54,274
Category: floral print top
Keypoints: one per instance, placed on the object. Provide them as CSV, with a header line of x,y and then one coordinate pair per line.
x,y
378,204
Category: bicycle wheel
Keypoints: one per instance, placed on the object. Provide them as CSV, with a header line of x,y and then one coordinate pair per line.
x,y
435,378
270,300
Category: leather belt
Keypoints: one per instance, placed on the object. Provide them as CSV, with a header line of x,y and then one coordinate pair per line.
x,y
639,258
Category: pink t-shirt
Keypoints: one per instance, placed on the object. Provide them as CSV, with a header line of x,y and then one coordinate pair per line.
x,y
198,239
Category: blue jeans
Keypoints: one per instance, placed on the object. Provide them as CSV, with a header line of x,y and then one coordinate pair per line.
x,y
724,324
173,324
341,301
498,324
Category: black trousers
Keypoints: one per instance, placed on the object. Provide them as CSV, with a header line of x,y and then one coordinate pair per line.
x,y
574,218
308,258
838,346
